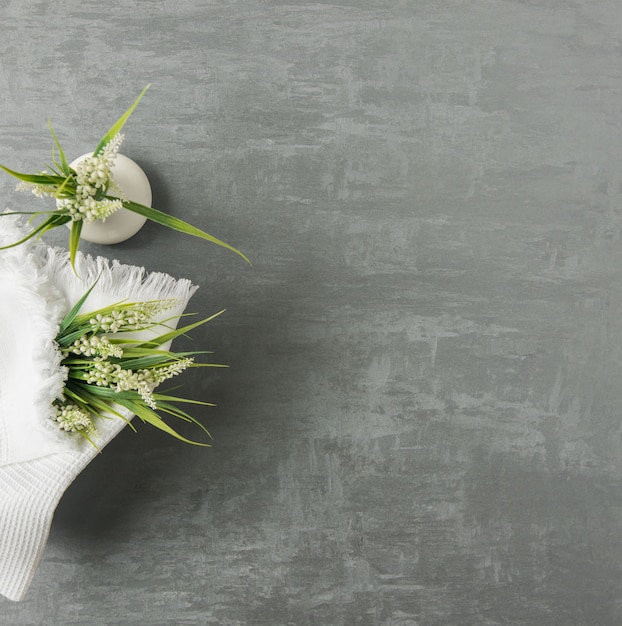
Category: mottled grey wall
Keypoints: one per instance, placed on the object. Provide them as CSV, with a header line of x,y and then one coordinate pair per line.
x,y
422,421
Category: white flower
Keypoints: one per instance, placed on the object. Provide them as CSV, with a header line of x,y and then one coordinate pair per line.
x,y
95,345
39,190
89,209
94,172
133,316
160,374
101,374
110,323
71,419
146,393
144,381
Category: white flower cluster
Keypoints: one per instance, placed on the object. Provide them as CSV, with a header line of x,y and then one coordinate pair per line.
x,y
160,374
71,419
90,209
144,381
134,317
93,173
96,346
94,176
39,190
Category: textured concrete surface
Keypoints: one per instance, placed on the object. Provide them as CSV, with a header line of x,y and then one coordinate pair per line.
x,y
422,421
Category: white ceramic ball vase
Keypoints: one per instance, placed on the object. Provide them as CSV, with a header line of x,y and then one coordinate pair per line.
x,y
122,224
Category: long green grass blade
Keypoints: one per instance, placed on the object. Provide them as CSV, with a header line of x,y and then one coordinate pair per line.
x,y
118,125
63,160
57,219
145,362
68,319
33,213
179,414
176,224
74,241
37,179
83,392
55,172
167,398
68,338
38,230
157,341
150,417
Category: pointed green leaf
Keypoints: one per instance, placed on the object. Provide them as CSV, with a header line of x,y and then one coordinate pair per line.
x,y
76,308
57,219
145,362
61,153
91,399
74,241
178,413
55,172
148,415
37,179
176,224
39,229
118,125
157,341
167,398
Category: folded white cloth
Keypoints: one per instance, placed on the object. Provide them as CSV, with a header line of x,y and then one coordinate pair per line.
x,y
38,461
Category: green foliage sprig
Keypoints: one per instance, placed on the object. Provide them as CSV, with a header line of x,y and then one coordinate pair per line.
x,y
84,193
108,367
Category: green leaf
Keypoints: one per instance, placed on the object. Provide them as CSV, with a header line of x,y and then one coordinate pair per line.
x,y
167,398
37,179
55,172
145,362
118,125
33,213
50,222
74,241
82,392
61,154
178,413
65,340
151,417
57,219
75,309
175,223
157,341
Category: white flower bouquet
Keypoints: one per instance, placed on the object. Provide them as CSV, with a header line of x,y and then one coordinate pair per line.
x,y
76,364
108,365
88,192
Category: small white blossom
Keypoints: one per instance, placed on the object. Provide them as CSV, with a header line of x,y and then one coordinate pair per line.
x,y
99,209
89,209
144,381
111,149
71,419
101,374
38,190
146,393
132,317
110,323
94,172
95,345
160,374
93,178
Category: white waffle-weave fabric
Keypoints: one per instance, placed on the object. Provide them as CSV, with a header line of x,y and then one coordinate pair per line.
x,y
38,461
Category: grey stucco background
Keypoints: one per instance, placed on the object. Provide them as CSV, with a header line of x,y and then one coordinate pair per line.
x,y
422,419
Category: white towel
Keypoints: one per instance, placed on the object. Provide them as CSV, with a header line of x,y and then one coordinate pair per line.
x,y
38,461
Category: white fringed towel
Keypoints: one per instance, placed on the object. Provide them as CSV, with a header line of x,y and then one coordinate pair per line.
x,y
38,461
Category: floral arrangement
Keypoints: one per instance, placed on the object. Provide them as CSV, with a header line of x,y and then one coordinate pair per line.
x,y
108,367
85,193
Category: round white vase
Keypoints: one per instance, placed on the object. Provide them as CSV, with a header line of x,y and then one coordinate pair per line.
x,y
122,224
